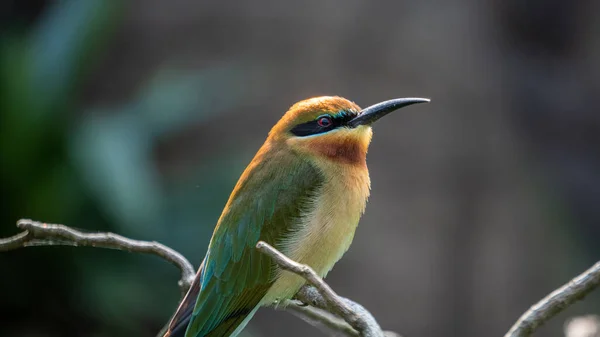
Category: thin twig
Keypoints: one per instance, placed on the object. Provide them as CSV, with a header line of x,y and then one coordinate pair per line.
x,y
320,319
364,324
326,321
14,242
311,296
556,302
357,321
43,234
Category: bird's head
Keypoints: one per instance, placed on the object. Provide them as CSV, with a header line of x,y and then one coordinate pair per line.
x,y
332,129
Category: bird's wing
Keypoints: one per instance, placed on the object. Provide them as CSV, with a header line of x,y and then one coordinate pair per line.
x,y
235,275
181,319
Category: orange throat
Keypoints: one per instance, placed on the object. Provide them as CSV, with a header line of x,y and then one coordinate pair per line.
x,y
343,146
348,152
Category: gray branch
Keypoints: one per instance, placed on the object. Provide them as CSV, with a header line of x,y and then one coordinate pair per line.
x,y
316,303
43,234
325,321
556,302
311,296
323,297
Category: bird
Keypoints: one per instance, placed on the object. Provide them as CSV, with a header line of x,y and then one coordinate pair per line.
x,y
303,193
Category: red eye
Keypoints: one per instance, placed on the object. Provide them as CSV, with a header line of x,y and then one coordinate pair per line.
x,y
324,122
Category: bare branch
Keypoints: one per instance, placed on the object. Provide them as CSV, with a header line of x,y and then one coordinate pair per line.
x,y
556,302
321,319
311,296
323,307
354,314
14,242
326,321
43,234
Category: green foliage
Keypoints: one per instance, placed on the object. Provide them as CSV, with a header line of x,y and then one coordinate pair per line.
x,y
97,169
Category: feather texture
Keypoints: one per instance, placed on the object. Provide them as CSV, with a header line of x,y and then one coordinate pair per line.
x,y
302,195
263,206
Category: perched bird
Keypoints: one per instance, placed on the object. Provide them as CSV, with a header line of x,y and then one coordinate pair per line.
x,y
303,193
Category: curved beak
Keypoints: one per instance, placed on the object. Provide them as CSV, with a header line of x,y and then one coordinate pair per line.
x,y
369,115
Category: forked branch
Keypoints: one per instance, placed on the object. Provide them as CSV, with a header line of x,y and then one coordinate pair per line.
x,y
318,303
43,234
352,313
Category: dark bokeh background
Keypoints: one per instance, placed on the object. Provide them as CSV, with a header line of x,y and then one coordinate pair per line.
x,y
138,117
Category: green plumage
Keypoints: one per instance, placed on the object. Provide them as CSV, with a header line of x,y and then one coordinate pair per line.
x,y
269,203
264,206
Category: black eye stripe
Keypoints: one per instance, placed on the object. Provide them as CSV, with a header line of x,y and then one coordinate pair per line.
x,y
313,127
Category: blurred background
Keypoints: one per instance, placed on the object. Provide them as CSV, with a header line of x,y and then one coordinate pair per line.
x,y
138,117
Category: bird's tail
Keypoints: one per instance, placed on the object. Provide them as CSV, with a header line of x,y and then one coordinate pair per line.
x,y
181,319
230,326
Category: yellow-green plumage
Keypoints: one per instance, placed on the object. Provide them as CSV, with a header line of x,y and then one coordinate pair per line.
x,y
302,194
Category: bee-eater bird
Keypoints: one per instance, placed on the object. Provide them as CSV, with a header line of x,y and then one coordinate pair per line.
x,y
303,193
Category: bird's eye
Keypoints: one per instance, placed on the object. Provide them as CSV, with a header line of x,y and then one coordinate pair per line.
x,y
324,121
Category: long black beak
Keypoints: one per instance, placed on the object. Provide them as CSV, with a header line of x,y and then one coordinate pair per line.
x,y
369,115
